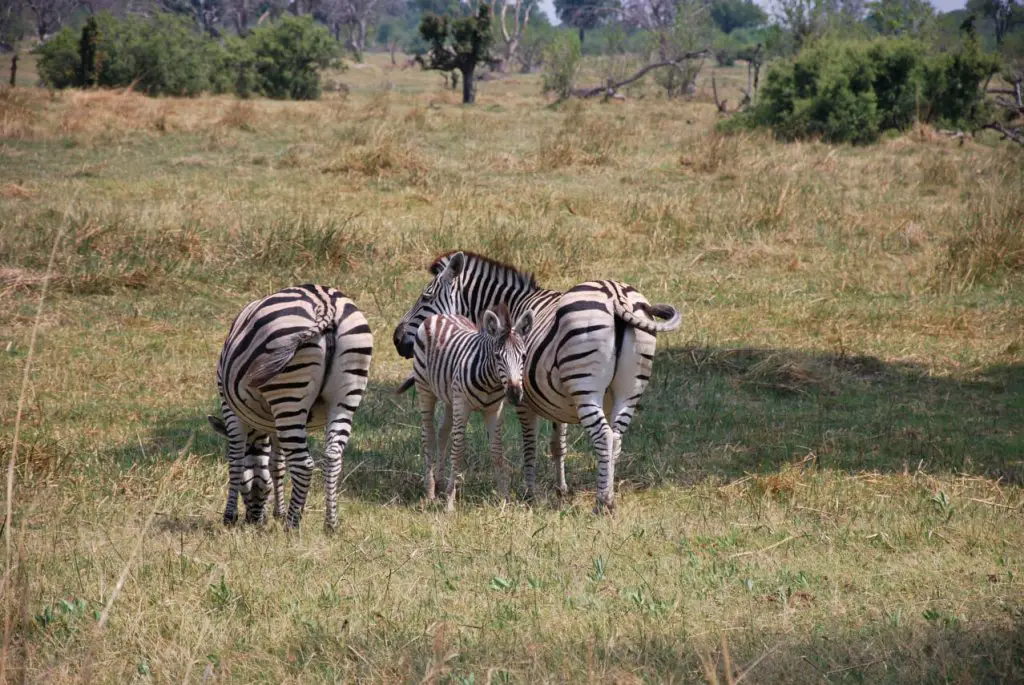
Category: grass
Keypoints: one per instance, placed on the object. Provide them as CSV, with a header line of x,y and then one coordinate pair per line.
x,y
824,482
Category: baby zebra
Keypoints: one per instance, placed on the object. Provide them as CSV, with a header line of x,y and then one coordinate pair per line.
x,y
294,360
469,370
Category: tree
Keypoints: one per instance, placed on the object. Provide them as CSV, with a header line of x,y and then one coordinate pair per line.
x,y
458,45
88,52
50,15
512,27
677,28
355,15
730,15
585,15
10,23
206,13
808,18
900,17
1002,13
535,43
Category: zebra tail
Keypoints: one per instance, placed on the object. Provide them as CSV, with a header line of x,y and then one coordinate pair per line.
x,y
271,363
646,318
406,384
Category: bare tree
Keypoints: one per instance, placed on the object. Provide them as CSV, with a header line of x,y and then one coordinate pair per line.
x,y
206,13
50,15
678,28
353,15
512,28
10,12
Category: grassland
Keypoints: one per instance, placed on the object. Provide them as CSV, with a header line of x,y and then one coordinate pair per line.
x,y
824,483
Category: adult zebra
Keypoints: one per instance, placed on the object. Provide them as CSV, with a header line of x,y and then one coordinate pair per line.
x,y
588,355
293,360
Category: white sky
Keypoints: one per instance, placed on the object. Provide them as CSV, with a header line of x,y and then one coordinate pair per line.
x,y
942,5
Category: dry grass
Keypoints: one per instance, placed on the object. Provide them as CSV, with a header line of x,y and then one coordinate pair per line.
x,y
824,482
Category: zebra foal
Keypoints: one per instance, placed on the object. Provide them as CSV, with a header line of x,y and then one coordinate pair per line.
x,y
589,353
468,369
294,360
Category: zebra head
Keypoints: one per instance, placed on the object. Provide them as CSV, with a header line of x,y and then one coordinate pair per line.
x,y
508,345
442,296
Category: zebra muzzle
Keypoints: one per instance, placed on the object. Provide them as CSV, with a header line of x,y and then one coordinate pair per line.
x,y
514,394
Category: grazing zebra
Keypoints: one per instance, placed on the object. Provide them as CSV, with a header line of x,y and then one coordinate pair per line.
x,y
468,370
588,356
294,360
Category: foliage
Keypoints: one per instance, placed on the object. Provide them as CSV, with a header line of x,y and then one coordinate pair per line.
x,y
459,45
562,64
691,31
59,62
167,55
1004,14
585,15
288,54
730,15
536,40
901,17
851,91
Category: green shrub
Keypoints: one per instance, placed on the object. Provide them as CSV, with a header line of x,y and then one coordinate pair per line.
x,y
59,63
562,64
166,55
288,54
852,91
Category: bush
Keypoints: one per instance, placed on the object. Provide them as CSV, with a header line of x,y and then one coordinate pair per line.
x,y
59,63
288,54
562,64
852,91
166,55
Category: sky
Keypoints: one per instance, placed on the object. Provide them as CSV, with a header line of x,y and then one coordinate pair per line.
x,y
942,5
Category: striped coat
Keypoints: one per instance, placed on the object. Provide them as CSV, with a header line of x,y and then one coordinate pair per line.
x,y
588,359
467,370
294,360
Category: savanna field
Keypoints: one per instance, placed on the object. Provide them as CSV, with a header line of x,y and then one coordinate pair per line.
x,y
824,483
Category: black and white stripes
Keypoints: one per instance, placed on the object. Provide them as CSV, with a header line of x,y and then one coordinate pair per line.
x,y
468,370
294,360
588,357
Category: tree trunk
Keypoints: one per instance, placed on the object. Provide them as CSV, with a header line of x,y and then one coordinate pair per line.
x,y
582,35
14,68
468,85
394,46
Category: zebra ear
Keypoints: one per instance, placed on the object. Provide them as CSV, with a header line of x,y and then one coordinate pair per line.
x,y
217,425
525,324
455,265
492,324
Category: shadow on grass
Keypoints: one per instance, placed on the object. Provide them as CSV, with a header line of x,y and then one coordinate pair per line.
x,y
708,413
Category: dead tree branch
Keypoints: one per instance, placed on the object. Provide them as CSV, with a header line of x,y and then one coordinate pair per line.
x,y
1014,134
609,89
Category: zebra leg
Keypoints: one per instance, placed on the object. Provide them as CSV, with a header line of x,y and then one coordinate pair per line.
x,y
558,450
593,420
277,468
631,378
529,422
444,443
258,465
428,440
292,438
492,420
231,508
339,428
460,416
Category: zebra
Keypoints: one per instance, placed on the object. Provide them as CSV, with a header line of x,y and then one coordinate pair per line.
x,y
293,360
589,354
468,369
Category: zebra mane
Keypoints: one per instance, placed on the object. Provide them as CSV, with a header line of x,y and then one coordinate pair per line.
x,y
524,277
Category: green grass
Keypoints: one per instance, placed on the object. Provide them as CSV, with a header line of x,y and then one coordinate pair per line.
x,y
824,480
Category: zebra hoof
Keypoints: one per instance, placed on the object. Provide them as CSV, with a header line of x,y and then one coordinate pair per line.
x,y
330,527
230,519
606,507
